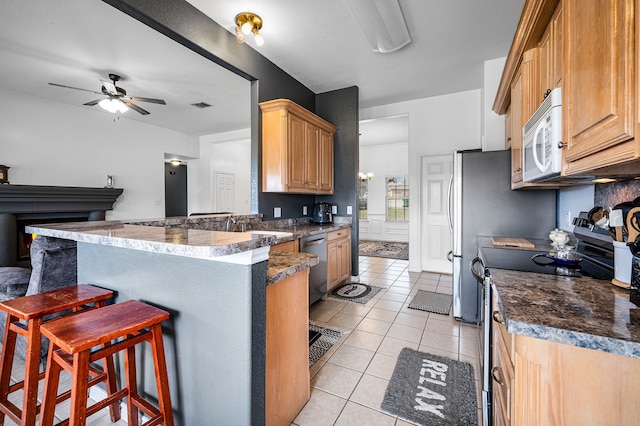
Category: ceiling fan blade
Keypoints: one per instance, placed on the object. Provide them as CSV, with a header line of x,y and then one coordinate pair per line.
x,y
92,103
110,86
154,101
75,88
134,106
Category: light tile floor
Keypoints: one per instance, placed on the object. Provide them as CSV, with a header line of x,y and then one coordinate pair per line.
x,y
349,381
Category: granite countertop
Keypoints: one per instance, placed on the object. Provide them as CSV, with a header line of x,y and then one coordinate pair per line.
x,y
579,311
283,264
175,241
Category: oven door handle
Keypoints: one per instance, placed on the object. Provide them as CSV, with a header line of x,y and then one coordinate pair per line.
x,y
472,267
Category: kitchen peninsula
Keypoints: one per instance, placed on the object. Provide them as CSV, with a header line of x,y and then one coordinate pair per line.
x,y
217,286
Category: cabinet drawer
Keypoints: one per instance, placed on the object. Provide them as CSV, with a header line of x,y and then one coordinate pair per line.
x,y
501,330
336,235
502,375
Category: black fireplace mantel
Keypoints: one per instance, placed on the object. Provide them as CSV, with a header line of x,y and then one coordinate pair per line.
x,y
25,199
21,203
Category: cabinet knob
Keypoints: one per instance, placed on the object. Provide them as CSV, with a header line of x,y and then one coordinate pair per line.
x,y
562,144
509,139
497,318
494,373
518,170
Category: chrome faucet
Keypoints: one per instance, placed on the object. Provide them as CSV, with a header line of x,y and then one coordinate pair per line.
x,y
231,220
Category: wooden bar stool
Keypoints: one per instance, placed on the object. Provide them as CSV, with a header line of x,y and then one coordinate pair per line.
x,y
25,316
115,328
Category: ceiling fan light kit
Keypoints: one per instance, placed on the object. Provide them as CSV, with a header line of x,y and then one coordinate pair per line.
x,y
381,22
247,23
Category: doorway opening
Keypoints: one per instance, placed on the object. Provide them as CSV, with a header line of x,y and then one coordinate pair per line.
x,y
175,190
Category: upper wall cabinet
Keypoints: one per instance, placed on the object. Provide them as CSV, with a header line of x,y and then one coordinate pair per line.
x,y
297,149
588,49
598,96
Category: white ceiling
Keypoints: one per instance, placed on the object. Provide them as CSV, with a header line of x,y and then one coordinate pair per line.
x,y
78,42
318,43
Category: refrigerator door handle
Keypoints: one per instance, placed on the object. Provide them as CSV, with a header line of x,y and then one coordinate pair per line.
x,y
449,207
450,256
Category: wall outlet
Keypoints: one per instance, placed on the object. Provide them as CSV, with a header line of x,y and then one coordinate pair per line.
x,y
277,211
349,210
304,210
568,218
334,209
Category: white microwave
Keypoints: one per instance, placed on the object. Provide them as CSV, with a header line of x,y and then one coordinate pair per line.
x,y
542,137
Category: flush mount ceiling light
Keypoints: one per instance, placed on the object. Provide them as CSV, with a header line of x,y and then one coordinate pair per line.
x,y
381,22
175,162
247,23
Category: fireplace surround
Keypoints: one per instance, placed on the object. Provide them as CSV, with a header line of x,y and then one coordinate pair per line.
x,y
21,205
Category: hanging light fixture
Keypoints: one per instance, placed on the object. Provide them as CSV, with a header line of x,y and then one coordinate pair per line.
x,y
247,23
113,105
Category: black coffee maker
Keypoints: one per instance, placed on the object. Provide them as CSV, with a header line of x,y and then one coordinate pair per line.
x,y
322,213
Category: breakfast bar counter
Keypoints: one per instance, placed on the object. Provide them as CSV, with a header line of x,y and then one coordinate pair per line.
x,y
215,285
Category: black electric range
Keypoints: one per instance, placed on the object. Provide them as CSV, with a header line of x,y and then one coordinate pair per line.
x,y
594,246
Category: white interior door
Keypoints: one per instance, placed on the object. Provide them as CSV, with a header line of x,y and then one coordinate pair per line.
x,y
435,241
224,199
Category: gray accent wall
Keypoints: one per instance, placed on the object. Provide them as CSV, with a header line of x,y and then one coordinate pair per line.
x,y
341,107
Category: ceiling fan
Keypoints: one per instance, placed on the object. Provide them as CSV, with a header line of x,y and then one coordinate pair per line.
x,y
116,96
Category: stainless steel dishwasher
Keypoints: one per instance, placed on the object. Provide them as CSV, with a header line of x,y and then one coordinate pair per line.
x,y
316,244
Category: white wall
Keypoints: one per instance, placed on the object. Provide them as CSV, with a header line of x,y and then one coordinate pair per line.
x,y
50,143
492,123
383,160
437,125
223,152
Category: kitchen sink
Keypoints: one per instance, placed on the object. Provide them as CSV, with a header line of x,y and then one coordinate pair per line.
x,y
278,234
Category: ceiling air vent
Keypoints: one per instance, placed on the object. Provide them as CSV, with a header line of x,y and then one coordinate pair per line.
x,y
201,105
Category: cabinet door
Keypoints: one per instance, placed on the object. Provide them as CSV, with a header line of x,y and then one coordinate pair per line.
x,y
598,93
312,158
550,54
344,259
516,130
296,144
326,162
525,98
333,276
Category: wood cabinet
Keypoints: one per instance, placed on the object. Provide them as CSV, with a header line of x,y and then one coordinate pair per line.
x,y
592,53
290,246
550,55
297,149
598,93
523,104
338,257
539,382
287,378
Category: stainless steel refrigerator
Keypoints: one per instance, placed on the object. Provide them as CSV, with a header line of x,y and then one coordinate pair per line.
x,y
482,203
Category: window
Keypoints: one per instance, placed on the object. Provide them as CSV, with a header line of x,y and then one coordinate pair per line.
x,y
397,198
363,196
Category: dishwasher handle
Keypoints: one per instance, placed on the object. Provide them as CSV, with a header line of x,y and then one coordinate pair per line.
x,y
313,243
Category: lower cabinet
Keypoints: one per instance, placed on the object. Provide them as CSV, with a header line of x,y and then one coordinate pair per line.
x,y
290,246
539,382
338,257
287,379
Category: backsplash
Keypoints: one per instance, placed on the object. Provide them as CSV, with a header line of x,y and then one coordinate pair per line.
x,y
608,195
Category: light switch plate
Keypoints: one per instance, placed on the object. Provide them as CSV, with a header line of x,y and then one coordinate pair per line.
x,y
304,210
334,209
277,212
349,210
